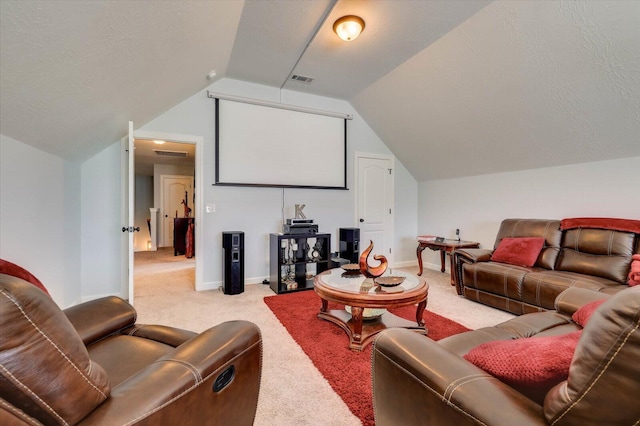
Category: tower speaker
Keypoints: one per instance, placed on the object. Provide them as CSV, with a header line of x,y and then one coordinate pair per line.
x,y
233,262
350,244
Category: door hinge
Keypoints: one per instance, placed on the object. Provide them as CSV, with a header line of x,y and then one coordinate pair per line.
x,y
389,250
389,211
389,171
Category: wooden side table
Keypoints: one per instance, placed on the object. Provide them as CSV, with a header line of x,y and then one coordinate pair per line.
x,y
180,234
360,293
445,247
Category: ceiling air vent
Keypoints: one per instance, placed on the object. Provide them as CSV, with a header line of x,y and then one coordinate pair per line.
x,y
165,153
301,78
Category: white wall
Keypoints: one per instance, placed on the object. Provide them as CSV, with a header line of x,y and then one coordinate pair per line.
x,y
256,211
405,216
101,225
478,204
40,217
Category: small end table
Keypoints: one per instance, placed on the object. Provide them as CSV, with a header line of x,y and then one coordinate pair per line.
x,y
445,247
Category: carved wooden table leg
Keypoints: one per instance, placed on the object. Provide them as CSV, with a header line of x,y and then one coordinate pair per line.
x,y
325,305
419,251
356,322
419,311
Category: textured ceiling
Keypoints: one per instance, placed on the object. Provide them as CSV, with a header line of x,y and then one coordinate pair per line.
x,y
454,88
520,85
73,73
394,32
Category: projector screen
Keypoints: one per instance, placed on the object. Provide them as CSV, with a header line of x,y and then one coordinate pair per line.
x,y
260,145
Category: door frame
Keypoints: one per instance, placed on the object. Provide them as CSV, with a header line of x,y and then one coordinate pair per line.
x,y
198,141
357,156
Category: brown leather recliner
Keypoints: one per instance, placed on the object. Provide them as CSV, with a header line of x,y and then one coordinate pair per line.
x,y
417,381
93,365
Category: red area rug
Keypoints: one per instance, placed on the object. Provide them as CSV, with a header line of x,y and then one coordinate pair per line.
x,y
348,372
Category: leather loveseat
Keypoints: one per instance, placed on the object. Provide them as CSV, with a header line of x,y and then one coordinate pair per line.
x,y
593,253
93,365
417,381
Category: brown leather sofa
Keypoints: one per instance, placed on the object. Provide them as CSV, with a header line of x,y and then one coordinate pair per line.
x,y
417,381
598,259
93,365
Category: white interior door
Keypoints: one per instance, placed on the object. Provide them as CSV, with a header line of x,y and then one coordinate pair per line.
x,y
173,193
128,181
375,204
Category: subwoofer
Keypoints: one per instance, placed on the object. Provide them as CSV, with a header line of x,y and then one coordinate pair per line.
x,y
233,262
350,244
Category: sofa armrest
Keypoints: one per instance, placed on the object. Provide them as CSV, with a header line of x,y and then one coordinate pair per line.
x,y
462,256
98,318
160,333
214,376
416,381
474,255
571,299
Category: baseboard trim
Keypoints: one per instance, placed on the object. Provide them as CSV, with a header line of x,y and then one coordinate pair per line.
x,y
434,266
215,285
414,263
406,264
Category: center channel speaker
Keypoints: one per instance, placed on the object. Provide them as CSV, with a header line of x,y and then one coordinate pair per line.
x,y
350,244
233,263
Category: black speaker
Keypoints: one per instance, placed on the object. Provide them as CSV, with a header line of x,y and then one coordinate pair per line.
x,y
233,263
350,244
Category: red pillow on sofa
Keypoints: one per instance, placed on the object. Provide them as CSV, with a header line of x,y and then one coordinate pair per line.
x,y
14,270
531,365
582,315
634,273
518,251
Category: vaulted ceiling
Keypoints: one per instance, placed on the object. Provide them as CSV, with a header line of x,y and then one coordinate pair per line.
x,y
454,88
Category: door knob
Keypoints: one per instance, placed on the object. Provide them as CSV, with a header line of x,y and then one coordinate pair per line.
x,y
361,220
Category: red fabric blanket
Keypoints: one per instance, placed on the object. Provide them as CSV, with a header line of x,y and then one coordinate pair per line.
x,y
625,225
14,270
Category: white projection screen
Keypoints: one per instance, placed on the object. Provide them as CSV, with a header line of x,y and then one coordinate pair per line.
x,y
260,145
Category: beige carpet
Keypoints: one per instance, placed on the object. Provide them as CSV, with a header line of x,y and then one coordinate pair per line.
x,y
292,391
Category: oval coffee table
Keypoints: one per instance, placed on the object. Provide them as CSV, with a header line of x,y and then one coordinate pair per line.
x,y
368,303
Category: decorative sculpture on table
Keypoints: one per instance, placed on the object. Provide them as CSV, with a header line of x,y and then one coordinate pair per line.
x,y
185,202
189,237
368,271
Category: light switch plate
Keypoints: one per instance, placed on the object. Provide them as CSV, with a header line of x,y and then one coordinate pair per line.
x,y
210,208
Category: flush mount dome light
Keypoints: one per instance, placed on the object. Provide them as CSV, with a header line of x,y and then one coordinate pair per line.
x,y
158,142
348,27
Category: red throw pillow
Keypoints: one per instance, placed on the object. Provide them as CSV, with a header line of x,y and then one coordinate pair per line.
x,y
582,315
531,365
634,273
14,270
518,251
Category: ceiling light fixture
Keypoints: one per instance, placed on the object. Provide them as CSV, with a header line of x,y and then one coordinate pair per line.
x,y
158,142
348,27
